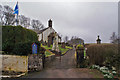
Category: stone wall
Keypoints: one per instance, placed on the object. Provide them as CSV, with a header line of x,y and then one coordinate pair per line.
x,y
14,63
35,62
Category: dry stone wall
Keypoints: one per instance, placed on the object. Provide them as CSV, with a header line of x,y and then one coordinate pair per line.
x,y
35,62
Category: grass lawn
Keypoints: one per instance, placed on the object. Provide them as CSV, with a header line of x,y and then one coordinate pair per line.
x,y
63,50
68,47
46,47
47,52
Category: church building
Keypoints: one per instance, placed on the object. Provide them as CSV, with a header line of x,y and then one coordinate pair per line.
x,y
48,34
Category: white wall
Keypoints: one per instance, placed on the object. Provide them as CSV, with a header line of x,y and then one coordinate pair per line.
x,y
39,37
46,33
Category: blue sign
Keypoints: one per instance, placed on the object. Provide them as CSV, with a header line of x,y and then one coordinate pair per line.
x,y
34,48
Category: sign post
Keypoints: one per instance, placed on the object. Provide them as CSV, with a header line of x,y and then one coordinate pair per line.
x,y
34,48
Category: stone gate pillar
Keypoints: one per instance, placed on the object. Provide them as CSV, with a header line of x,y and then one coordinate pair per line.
x,y
79,56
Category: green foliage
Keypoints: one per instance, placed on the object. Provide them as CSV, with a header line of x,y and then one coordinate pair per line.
x,y
63,50
15,34
105,71
17,38
22,48
68,47
39,48
46,47
80,46
7,47
47,53
25,48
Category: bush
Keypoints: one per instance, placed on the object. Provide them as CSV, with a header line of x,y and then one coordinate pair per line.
x,y
8,47
16,36
22,48
25,48
80,46
38,46
103,54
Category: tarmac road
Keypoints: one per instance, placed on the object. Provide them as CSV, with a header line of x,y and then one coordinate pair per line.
x,y
65,68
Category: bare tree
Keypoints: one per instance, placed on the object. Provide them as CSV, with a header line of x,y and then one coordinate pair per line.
x,y
42,27
24,21
36,24
7,16
8,9
72,37
114,38
1,15
0,7
65,39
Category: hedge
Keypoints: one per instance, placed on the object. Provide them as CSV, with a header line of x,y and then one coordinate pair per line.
x,y
25,48
104,54
13,36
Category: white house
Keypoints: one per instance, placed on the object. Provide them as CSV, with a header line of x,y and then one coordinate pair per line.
x,y
47,34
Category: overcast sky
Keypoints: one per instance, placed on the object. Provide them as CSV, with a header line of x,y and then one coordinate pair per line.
x,y
83,19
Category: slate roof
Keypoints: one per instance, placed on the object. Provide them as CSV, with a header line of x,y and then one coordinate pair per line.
x,y
40,31
43,30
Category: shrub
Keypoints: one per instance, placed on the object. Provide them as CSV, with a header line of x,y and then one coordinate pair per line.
x,y
25,48
14,35
102,54
7,47
22,48
38,46
80,46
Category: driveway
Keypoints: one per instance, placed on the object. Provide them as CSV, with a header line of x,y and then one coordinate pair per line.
x,y
64,68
